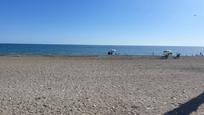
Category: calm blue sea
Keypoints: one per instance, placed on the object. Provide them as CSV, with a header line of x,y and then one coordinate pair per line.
x,y
84,50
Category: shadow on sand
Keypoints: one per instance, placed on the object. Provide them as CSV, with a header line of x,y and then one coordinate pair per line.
x,y
188,107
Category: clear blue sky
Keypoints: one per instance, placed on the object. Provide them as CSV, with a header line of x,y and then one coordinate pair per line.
x,y
116,22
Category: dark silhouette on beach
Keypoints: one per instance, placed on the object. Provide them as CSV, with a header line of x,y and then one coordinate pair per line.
x,y
188,107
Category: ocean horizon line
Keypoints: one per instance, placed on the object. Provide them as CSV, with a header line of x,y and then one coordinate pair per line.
x,y
99,45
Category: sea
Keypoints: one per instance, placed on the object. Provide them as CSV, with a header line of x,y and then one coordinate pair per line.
x,y
93,50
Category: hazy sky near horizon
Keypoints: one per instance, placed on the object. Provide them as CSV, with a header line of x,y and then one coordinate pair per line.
x,y
116,22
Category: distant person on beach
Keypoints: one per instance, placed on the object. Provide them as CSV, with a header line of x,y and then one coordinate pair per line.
x,y
201,54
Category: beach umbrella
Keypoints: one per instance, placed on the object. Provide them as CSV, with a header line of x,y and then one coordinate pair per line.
x,y
167,52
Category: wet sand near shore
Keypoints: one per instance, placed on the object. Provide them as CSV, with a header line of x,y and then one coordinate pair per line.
x,y
101,85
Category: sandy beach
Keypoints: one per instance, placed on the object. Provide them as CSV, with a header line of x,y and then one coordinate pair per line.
x,y
101,85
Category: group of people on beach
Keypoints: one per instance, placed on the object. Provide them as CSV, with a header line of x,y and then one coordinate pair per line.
x,y
200,54
165,54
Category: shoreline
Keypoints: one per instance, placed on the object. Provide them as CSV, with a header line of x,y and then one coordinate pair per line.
x,y
100,56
